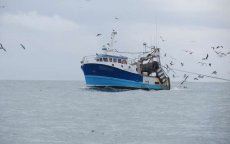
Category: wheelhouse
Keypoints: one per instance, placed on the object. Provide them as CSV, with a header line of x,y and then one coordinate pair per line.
x,y
111,58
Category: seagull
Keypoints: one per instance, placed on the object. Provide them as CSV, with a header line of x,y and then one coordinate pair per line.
x,y
196,79
205,57
1,47
217,52
200,76
210,64
222,54
182,64
172,58
98,34
163,40
171,63
219,47
165,54
213,48
167,66
214,72
23,46
116,18
202,63
190,52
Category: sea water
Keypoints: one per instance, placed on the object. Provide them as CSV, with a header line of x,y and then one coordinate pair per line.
x,y
67,112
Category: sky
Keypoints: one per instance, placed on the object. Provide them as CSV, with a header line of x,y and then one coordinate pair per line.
x,y
57,34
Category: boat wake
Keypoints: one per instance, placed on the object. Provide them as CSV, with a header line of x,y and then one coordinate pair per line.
x,y
179,88
107,89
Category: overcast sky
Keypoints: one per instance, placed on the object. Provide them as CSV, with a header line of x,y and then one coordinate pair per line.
x,y
58,33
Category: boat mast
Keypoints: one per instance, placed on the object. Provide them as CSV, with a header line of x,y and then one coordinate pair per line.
x,y
110,45
112,39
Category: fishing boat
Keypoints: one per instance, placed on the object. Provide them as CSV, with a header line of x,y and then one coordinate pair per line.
x,y
111,69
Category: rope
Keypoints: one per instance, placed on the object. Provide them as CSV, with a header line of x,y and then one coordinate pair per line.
x,y
201,74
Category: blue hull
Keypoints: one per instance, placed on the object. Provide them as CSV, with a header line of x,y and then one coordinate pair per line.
x,y
107,76
120,83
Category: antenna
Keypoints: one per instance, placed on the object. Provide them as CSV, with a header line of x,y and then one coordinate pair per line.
x,y
112,38
156,34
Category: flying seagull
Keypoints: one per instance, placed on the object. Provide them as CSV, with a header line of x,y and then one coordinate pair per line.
x,y
214,72
163,40
190,52
205,57
219,47
116,18
182,64
200,76
203,63
23,46
98,34
1,47
171,63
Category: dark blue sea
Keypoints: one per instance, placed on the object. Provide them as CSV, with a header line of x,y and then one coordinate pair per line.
x,y
67,112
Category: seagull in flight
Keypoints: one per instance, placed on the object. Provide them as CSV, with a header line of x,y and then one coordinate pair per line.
x,y
171,63
116,18
162,39
200,76
190,52
1,47
23,46
203,63
205,57
214,72
99,34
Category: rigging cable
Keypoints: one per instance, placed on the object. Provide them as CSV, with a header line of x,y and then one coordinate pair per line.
x,y
201,74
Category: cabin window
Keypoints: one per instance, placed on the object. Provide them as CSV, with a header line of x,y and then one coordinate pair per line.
x,y
119,60
112,64
114,60
124,61
110,59
97,59
105,59
121,65
101,59
129,67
